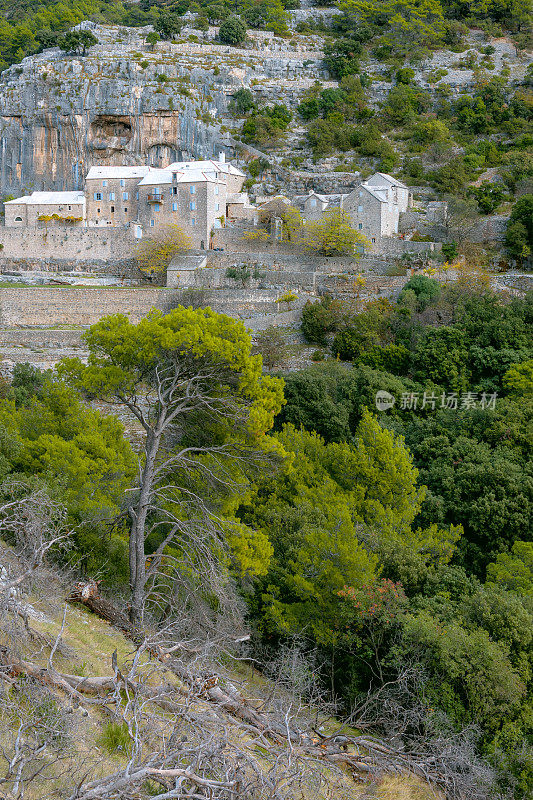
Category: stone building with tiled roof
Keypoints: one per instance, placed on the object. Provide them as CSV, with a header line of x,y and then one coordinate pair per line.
x,y
198,196
41,207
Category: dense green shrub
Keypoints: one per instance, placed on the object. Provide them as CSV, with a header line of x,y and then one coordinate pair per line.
x,y
342,57
426,290
232,31
320,318
265,127
242,102
519,234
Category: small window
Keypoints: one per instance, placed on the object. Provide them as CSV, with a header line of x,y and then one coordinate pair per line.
x,y
18,219
156,206
360,226
112,196
360,194
126,210
122,182
174,190
373,240
359,209
217,224
124,195
193,221
312,202
104,183
192,205
193,190
152,223
174,206
217,206
70,208
98,195
97,210
136,195
216,189
112,209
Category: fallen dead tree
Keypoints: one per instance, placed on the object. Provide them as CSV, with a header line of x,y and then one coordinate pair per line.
x,y
198,744
86,593
362,754
206,685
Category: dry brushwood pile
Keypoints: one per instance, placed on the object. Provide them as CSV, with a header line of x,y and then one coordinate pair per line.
x,y
92,707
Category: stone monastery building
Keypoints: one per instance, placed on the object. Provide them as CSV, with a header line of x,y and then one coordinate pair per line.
x,y
199,197
374,207
196,195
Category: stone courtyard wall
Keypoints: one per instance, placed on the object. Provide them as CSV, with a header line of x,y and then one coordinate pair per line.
x,y
65,244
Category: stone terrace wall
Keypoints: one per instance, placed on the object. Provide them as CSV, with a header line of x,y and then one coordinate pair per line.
x,y
281,257
399,247
64,244
83,305
76,305
40,346
216,278
58,338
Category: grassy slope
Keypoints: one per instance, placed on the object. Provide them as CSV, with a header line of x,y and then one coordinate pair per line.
x,y
87,647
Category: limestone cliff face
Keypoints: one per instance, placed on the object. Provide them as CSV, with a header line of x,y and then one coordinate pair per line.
x,y
126,104
59,114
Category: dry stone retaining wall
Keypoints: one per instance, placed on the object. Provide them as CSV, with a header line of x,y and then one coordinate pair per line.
x,y
75,305
64,245
83,305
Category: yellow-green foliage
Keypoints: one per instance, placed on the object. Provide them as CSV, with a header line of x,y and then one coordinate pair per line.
x,y
331,234
155,252
256,236
287,297
518,380
75,448
122,354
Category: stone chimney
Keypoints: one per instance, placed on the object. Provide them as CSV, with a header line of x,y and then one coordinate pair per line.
x,y
222,158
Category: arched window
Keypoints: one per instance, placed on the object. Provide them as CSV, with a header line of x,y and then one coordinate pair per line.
x,y
18,219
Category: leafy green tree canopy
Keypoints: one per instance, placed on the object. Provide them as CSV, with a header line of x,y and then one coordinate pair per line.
x,y
77,41
124,357
514,570
77,450
232,31
320,510
519,235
